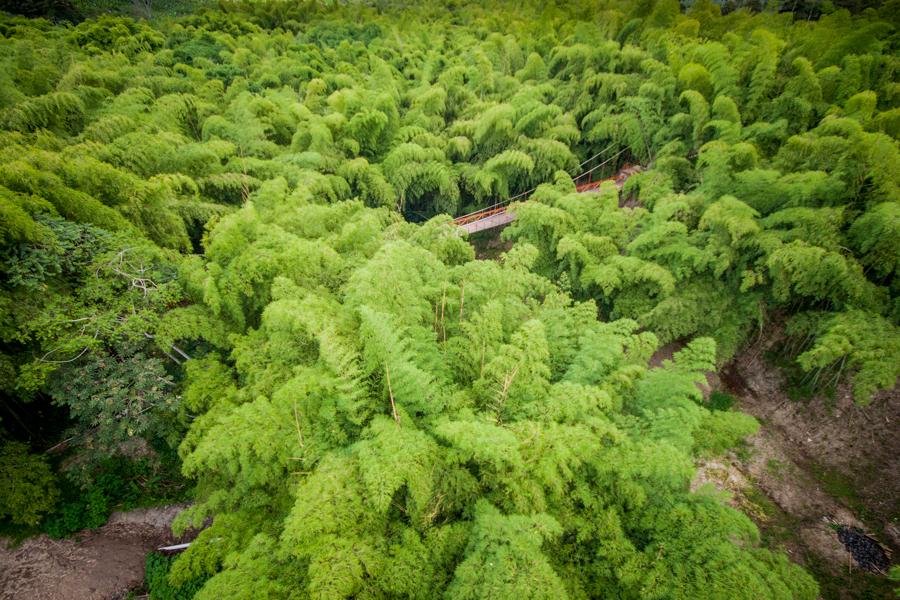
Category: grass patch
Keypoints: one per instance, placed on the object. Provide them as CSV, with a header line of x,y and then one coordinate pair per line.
x,y
742,451
836,584
775,525
840,486
763,506
776,468
778,528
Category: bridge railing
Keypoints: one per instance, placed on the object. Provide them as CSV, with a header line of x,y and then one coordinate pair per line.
x,y
499,207
483,213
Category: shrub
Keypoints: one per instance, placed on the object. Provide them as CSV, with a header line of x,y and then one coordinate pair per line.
x,y
28,489
157,580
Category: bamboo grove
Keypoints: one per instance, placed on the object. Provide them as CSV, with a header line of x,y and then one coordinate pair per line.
x,y
229,233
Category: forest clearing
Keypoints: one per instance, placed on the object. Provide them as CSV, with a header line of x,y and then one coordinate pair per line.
x,y
456,300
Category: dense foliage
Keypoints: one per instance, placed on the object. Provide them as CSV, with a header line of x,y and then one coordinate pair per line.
x,y
28,489
402,420
157,580
225,232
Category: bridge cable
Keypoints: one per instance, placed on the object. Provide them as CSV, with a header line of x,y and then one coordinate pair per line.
x,y
575,178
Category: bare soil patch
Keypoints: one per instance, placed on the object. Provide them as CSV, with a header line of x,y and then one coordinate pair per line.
x,y
97,565
852,451
815,469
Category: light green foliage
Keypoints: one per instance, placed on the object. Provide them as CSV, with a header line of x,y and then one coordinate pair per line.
x,y
799,269
894,575
873,235
220,208
856,341
721,430
504,550
775,183
405,425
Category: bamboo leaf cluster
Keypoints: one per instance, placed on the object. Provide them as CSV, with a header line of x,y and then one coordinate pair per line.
x,y
232,231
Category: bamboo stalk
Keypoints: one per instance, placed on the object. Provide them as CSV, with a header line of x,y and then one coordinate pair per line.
x,y
443,305
297,423
462,299
387,372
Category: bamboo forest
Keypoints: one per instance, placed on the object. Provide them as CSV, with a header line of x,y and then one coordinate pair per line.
x,y
551,299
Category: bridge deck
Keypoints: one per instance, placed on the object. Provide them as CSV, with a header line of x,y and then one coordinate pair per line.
x,y
495,220
499,214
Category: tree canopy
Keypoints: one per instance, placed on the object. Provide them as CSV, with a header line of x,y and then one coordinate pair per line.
x,y
228,232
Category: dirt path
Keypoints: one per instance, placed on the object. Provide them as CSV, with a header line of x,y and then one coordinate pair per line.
x,y
98,565
813,467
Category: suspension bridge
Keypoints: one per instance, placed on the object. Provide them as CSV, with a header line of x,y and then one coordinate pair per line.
x,y
499,214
